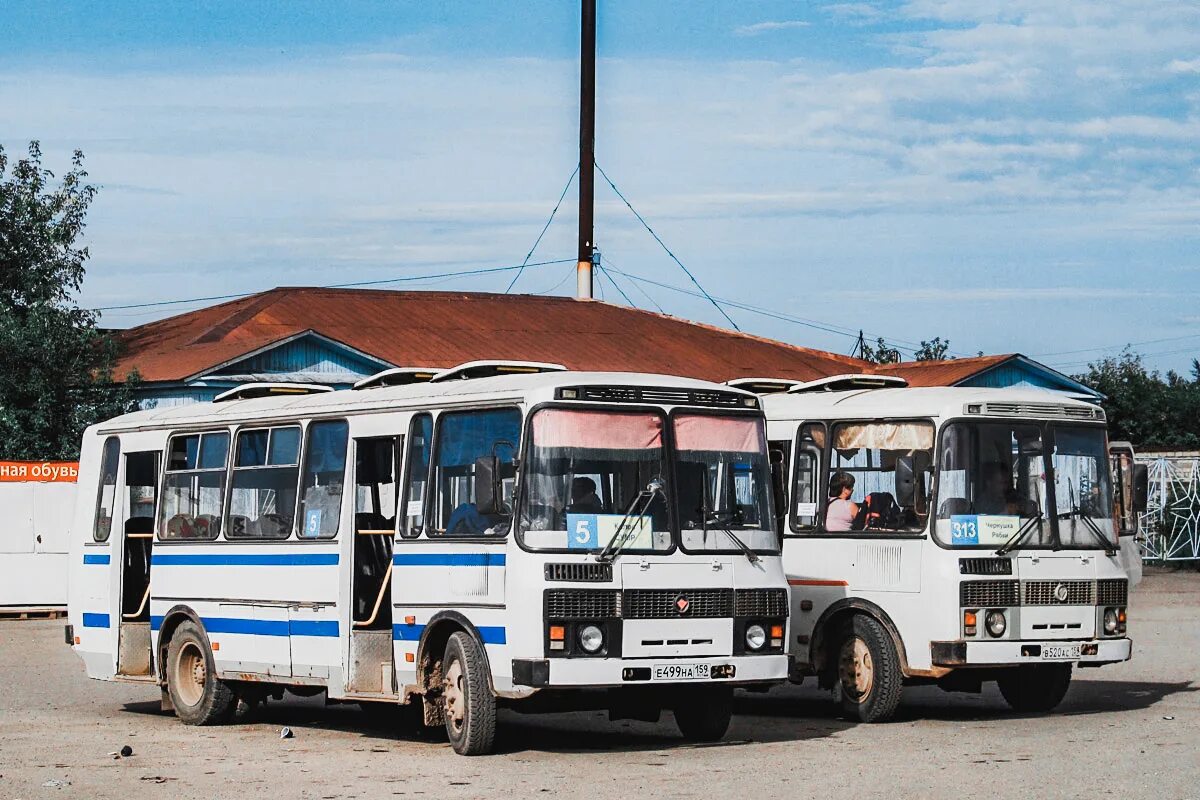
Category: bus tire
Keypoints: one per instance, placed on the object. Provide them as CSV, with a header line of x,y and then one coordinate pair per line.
x,y
199,697
1035,687
703,714
869,677
467,701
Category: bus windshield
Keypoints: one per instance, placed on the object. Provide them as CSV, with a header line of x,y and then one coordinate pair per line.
x,y
722,487
993,486
585,477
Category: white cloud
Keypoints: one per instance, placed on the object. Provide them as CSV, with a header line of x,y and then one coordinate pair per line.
x,y
1180,67
759,28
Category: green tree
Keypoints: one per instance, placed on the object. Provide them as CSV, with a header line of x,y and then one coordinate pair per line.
x,y
879,353
1145,407
55,365
935,350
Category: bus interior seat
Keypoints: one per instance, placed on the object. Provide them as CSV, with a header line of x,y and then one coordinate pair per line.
x,y
952,506
273,526
181,526
208,526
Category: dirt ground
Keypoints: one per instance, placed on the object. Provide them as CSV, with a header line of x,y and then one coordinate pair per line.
x,y
1129,730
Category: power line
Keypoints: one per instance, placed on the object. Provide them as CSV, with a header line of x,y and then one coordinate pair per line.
x,y
1115,346
566,278
1089,362
638,286
604,274
545,227
404,279
666,249
766,312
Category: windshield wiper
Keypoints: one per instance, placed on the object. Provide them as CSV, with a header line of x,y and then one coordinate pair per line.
x,y
1090,524
717,519
1021,533
621,536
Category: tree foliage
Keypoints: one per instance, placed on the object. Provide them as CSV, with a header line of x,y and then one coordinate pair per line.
x,y
55,365
935,350
883,353
1144,406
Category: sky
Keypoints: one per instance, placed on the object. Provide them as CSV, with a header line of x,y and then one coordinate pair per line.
x,y
1011,175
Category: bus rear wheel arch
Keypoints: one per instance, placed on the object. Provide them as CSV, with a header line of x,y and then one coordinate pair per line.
x,y
198,695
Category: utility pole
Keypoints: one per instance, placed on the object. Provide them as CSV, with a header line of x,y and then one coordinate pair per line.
x,y
587,148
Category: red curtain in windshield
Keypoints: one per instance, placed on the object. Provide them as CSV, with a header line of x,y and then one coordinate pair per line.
x,y
725,434
596,430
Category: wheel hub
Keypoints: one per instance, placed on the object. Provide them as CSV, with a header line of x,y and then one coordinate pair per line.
x,y
857,670
452,692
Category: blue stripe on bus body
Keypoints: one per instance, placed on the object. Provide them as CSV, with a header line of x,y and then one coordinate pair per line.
x,y
95,620
96,558
263,627
244,559
412,633
448,559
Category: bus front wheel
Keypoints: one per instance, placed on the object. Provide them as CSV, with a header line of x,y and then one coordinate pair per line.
x,y
869,678
1035,687
703,714
199,697
468,704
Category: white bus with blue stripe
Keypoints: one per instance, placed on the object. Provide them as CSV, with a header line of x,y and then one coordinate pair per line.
x,y
444,540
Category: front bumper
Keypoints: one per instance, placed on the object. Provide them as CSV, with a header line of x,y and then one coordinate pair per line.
x,y
1006,653
606,672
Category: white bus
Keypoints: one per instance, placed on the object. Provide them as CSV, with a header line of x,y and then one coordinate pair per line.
x,y
488,532
945,535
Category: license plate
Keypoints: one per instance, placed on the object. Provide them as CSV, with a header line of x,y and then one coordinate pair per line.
x,y
681,672
1055,651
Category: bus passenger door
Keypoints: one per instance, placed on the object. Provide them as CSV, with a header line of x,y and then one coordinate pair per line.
x,y
136,503
376,468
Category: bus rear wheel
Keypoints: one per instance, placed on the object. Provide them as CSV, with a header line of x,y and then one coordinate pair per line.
x,y
467,701
703,714
199,697
869,678
1035,687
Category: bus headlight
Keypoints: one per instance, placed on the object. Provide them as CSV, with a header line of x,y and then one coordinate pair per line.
x,y
756,636
591,638
1110,621
996,624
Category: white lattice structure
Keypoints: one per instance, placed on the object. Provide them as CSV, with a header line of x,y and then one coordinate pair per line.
x,y
1171,523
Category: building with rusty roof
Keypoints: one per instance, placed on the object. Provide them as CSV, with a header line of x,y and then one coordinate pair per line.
x,y
338,336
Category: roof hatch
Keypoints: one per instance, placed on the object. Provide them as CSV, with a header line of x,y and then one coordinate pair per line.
x,y
763,385
846,383
249,391
490,369
398,376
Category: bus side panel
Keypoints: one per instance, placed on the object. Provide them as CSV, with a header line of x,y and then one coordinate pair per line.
x,y
93,566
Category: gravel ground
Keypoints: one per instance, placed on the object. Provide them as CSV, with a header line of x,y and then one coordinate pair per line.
x,y
1129,730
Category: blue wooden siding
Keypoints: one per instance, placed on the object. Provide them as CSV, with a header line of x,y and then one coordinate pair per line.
x,y
307,354
1020,374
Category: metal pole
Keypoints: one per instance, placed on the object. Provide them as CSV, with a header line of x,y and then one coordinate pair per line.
x,y
587,152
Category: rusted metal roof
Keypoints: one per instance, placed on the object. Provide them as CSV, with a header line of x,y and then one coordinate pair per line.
x,y
443,329
941,373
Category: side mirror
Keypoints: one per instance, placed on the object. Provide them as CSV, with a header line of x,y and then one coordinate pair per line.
x,y
906,481
487,485
1141,487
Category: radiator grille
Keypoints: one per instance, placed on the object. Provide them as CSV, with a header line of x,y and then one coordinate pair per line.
x,y
984,566
761,603
1112,592
995,594
662,603
582,604
1049,593
584,572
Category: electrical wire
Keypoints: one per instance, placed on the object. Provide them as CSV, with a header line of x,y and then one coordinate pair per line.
x,y
356,284
545,227
1117,346
666,249
638,286
604,274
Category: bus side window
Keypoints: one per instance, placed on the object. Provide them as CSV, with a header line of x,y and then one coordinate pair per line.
x,y
262,487
806,484
107,496
323,479
778,452
416,464
194,486
464,437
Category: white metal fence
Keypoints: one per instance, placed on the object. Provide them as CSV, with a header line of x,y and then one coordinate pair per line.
x,y
1171,524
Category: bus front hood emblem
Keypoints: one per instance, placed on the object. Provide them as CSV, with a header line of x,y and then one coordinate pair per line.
x,y
682,605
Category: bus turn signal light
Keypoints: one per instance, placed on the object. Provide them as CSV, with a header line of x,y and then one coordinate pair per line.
x,y
558,635
969,622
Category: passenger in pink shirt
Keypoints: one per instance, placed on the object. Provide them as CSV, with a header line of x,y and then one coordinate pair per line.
x,y
842,511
